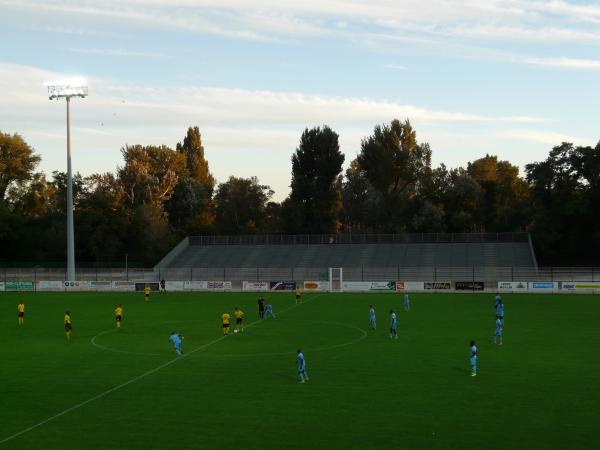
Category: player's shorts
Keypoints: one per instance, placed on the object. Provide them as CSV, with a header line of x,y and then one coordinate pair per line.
x,y
21,314
68,327
225,325
119,318
473,361
240,320
498,331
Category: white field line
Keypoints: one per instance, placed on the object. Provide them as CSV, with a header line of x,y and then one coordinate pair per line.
x,y
133,380
246,355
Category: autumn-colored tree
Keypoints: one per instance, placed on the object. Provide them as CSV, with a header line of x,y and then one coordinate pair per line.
x,y
17,162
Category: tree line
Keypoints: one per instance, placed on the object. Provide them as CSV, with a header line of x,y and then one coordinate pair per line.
x,y
160,194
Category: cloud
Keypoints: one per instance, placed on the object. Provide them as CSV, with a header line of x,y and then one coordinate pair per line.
x,y
394,67
117,52
516,33
246,132
566,63
139,105
81,31
544,137
266,20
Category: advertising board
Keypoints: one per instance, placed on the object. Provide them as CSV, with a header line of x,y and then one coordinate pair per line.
x,y
512,286
282,285
255,286
364,286
101,285
19,286
1,286
123,286
193,285
218,286
50,285
409,286
542,286
469,285
78,285
174,286
437,285
213,286
316,286
579,286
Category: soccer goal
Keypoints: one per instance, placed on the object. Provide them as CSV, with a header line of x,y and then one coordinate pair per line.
x,y
336,277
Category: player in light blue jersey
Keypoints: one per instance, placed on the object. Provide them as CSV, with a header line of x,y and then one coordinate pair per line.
x,y
269,311
500,311
498,299
176,339
302,374
473,359
372,317
393,325
499,331
406,302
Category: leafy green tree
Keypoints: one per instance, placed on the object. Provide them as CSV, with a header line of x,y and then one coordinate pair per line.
x,y
505,194
462,201
240,206
58,203
361,203
102,220
315,201
190,207
395,165
149,237
565,192
273,222
17,162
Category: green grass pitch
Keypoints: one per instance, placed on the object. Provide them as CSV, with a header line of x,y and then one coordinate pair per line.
x,y
127,390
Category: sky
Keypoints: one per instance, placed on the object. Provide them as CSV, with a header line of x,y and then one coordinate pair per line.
x,y
506,77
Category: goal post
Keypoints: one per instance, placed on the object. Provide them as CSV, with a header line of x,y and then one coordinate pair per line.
x,y
336,278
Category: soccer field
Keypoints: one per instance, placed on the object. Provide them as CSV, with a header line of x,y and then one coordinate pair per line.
x,y
126,389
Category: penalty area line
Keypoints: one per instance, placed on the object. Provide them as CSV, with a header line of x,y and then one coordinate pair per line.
x,y
133,380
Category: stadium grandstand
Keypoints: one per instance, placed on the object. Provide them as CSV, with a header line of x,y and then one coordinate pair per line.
x,y
392,250
485,256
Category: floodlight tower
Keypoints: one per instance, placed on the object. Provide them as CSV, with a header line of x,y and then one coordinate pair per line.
x,y
67,90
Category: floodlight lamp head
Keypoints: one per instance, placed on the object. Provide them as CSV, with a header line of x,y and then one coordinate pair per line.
x,y
67,89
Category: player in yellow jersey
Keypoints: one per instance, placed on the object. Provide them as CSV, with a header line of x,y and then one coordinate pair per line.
x,y
298,295
147,293
119,315
225,318
68,325
239,319
21,310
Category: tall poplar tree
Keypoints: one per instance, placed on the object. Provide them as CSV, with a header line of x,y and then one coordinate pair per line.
x,y
315,200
